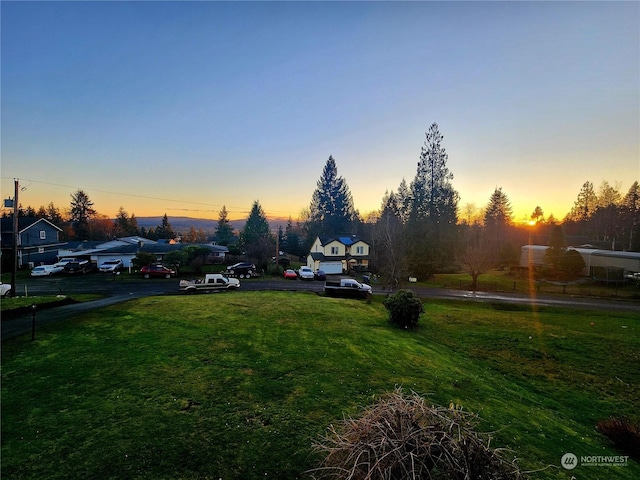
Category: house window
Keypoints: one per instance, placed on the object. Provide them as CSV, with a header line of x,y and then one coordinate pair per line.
x,y
43,234
334,250
360,250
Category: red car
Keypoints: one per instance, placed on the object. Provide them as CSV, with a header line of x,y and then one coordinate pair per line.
x,y
290,274
157,271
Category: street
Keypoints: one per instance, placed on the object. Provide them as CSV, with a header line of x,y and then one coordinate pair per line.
x,y
120,288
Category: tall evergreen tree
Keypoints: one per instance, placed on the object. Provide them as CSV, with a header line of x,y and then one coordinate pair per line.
x,y
403,201
54,215
224,229
630,209
608,195
432,221
585,204
256,226
498,213
256,237
125,225
432,194
331,209
293,241
498,218
165,230
80,213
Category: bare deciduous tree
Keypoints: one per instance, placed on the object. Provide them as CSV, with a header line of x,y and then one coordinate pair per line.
x,y
476,259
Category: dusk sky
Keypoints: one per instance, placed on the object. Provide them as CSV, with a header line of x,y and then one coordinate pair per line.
x,y
182,107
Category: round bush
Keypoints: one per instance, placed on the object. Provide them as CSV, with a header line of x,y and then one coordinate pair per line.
x,y
404,308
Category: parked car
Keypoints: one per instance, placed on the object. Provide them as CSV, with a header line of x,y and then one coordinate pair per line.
x,y
157,271
77,266
212,282
45,270
305,273
347,287
5,289
111,266
290,274
242,269
63,261
319,275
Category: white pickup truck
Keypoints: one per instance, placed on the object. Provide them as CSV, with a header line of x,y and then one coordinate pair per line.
x,y
210,283
347,287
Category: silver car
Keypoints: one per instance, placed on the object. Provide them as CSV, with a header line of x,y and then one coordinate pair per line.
x,y
111,266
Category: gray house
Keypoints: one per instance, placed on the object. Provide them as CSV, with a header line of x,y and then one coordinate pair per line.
x,y
38,241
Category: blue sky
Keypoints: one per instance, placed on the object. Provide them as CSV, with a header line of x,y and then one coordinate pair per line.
x,y
182,107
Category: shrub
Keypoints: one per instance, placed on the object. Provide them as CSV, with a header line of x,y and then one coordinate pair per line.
x,y
402,437
624,434
144,258
404,308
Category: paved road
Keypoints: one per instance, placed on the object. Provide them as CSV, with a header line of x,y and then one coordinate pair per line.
x,y
118,289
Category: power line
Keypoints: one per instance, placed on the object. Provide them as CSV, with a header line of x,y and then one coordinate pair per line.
x,y
213,207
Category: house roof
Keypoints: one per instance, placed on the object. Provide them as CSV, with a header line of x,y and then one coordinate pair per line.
x,y
346,240
123,247
24,224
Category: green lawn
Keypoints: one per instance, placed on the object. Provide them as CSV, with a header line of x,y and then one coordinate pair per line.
x,y
504,281
15,303
237,385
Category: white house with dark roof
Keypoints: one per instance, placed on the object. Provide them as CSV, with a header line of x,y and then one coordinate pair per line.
x,y
338,254
126,249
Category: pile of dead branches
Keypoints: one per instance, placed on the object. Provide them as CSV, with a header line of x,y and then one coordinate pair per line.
x,y
401,437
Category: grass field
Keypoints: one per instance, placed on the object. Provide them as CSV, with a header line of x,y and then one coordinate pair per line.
x,y
504,281
15,303
237,385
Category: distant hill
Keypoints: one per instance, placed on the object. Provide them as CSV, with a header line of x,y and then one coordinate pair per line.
x,y
179,224
184,224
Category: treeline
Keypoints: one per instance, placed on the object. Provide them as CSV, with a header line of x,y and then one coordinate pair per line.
x,y
420,228
82,222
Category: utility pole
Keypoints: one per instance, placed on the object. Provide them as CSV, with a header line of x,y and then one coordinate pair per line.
x,y
14,271
277,249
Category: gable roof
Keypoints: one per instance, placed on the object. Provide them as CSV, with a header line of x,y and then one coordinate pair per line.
x,y
24,223
346,240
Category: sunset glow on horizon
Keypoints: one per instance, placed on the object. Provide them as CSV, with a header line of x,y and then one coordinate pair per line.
x,y
181,108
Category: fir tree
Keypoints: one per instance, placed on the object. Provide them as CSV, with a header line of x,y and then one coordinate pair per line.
x,y
81,211
331,210
432,222
256,237
630,212
498,213
224,229
165,230
585,204
124,225
432,194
